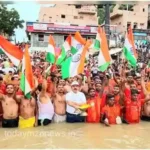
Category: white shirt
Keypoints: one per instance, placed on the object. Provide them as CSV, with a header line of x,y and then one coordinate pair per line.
x,y
78,97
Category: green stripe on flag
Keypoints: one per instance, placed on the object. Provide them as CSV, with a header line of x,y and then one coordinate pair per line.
x,y
130,58
1,51
61,57
50,58
73,50
22,86
104,67
97,44
65,68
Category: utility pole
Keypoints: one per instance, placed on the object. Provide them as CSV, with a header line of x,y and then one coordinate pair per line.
x,y
107,22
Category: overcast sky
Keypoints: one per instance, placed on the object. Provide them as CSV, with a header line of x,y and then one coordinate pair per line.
x,y
28,11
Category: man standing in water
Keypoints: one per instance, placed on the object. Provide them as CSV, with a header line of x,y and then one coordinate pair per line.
x,y
74,100
28,112
45,106
10,108
59,104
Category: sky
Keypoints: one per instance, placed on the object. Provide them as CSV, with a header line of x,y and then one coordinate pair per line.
x,y
28,11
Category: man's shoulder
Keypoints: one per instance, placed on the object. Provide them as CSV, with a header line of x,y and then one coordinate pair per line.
x,y
81,93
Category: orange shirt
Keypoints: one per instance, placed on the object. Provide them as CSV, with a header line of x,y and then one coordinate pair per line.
x,y
111,113
94,111
133,110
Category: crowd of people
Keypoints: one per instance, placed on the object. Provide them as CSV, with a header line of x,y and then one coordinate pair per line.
x,y
119,95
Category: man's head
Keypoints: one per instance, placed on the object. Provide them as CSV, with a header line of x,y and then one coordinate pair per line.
x,y
133,86
116,90
138,80
129,77
63,82
91,92
110,99
75,86
98,87
134,95
10,73
60,88
10,88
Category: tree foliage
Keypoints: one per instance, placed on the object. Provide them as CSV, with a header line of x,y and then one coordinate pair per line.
x,y
101,13
9,20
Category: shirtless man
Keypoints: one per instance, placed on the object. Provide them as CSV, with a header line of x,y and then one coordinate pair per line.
x,y
10,108
59,105
145,116
28,114
45,106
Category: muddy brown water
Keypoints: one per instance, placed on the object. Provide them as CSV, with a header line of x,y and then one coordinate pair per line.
x,y
79,135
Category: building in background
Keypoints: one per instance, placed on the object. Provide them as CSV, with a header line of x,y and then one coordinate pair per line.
x,y
60,21
137,18
69,14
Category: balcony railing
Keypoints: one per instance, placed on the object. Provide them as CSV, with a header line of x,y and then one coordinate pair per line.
x,y
86,11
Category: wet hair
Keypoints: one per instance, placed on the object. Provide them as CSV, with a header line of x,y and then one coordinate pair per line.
x,y
9,84
108,96
134,91
10,72
91,89
117,86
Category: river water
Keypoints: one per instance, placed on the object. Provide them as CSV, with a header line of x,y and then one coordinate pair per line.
x,y
78,136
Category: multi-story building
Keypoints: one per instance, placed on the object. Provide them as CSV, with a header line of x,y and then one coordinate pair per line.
x,y
71,14
60,21
137,18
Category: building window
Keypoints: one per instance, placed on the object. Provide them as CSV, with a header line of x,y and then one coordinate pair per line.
x,y
50,17
119,23
135,26
81,17
63,16
128,24
75,17
41,37
78,6
141,24
143,9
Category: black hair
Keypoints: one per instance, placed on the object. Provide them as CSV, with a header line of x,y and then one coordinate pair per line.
x,y
134,91
90,89
108,96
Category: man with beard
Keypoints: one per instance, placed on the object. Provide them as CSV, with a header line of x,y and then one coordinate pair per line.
x,y
59,105
94,111
10,108
118,95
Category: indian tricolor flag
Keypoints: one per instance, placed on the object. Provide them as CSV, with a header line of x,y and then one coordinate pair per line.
x,y
12,51
74,65
65,50
77,42
50,57
101,44
129,48
27,80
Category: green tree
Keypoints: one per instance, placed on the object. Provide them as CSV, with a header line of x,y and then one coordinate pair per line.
x,y
9,20
101,13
